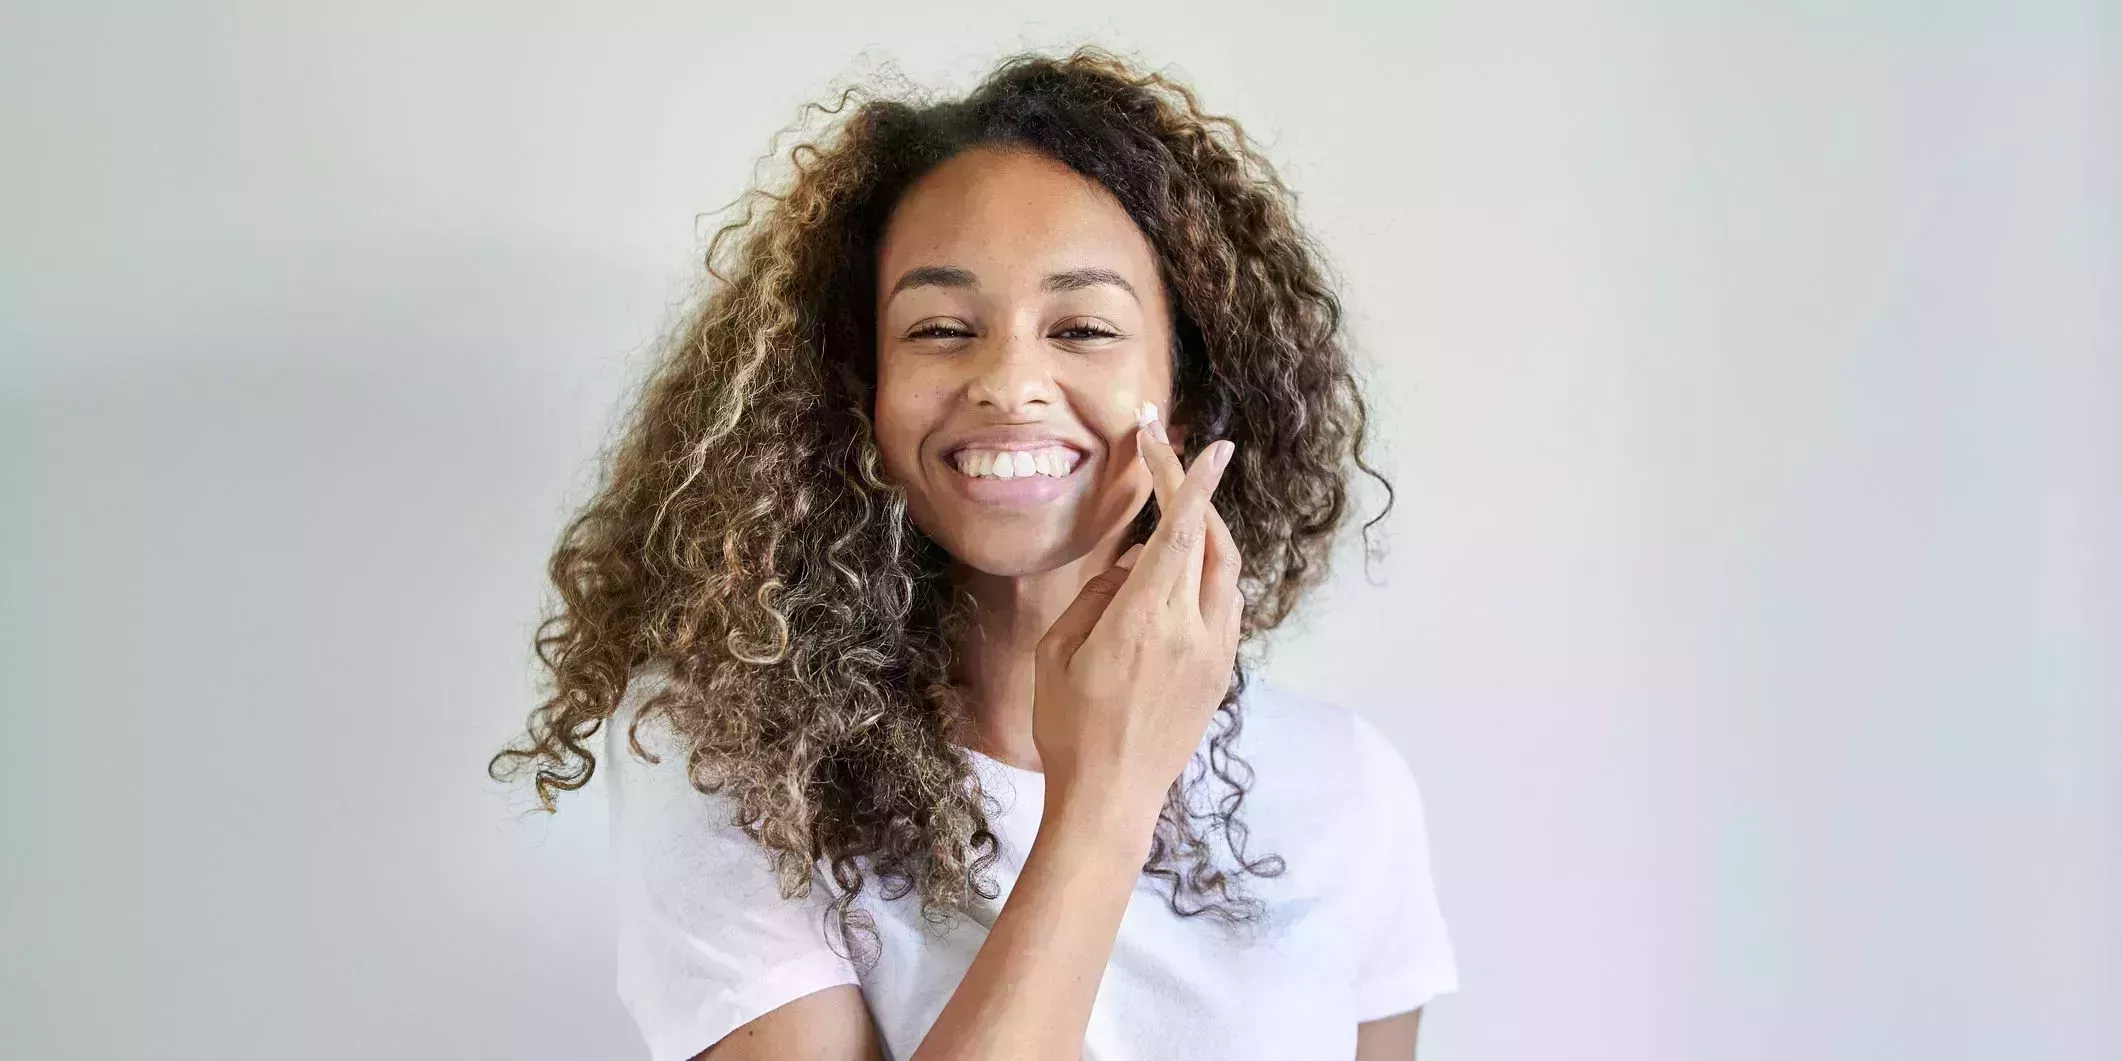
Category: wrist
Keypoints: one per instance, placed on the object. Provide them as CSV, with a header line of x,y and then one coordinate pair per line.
x,y
1103,818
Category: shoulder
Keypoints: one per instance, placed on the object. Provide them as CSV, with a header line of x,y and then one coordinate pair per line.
x,y
646,760
642,684
1340,789
659,820
1325,779
1322,741
681,851
1325,776
707,941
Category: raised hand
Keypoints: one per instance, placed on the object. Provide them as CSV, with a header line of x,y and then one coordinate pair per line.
x,y
1131,673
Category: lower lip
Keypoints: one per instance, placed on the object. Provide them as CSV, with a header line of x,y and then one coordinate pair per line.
x,y
1028,492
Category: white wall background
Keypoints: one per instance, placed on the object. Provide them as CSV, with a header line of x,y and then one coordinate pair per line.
x,y
1750,377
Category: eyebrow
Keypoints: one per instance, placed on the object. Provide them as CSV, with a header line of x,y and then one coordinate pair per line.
x,y
1076,279
952,276
935,276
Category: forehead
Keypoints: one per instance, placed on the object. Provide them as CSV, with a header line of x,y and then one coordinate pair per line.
x,y
1011,216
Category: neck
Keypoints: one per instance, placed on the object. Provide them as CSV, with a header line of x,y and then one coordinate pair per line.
x,y
996,660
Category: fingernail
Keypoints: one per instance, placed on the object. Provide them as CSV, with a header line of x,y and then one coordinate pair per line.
x,y
1127,559
1220,452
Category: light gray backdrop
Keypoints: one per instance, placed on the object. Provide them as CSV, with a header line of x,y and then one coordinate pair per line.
x,y
1750,378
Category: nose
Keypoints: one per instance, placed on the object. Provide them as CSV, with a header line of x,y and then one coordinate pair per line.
x,y
1011,374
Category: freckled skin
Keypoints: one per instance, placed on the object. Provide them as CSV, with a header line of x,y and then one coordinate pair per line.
x,y
1016,352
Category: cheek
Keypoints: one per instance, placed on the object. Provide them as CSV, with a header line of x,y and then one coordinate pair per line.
x,y
1108,394
904,410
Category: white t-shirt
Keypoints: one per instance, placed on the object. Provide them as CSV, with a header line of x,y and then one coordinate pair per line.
x,y
1353,931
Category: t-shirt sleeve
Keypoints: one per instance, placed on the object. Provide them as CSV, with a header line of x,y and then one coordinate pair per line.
x,y
706,942
1407,957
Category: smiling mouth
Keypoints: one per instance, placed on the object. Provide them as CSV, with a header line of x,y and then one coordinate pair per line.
x,y
1053,462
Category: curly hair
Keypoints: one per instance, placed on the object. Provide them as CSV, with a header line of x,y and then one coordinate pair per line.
x,y
744,541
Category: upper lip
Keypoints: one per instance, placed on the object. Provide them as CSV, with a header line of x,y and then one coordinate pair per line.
x,y
1012,437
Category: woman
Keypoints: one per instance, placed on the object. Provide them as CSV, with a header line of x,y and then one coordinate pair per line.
x,y
925,721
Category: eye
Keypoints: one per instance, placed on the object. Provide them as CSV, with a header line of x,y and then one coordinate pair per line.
x,y
939,329
1084,330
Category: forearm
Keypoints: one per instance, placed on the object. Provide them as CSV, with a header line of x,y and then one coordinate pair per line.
x,y
1029,991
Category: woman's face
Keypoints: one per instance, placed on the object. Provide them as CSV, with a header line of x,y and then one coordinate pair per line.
x,y
1021,323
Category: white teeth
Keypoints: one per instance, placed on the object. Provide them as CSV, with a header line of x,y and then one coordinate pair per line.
x,y
1054,461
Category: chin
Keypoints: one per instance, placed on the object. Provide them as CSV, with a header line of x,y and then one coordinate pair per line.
x,y
1011,557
